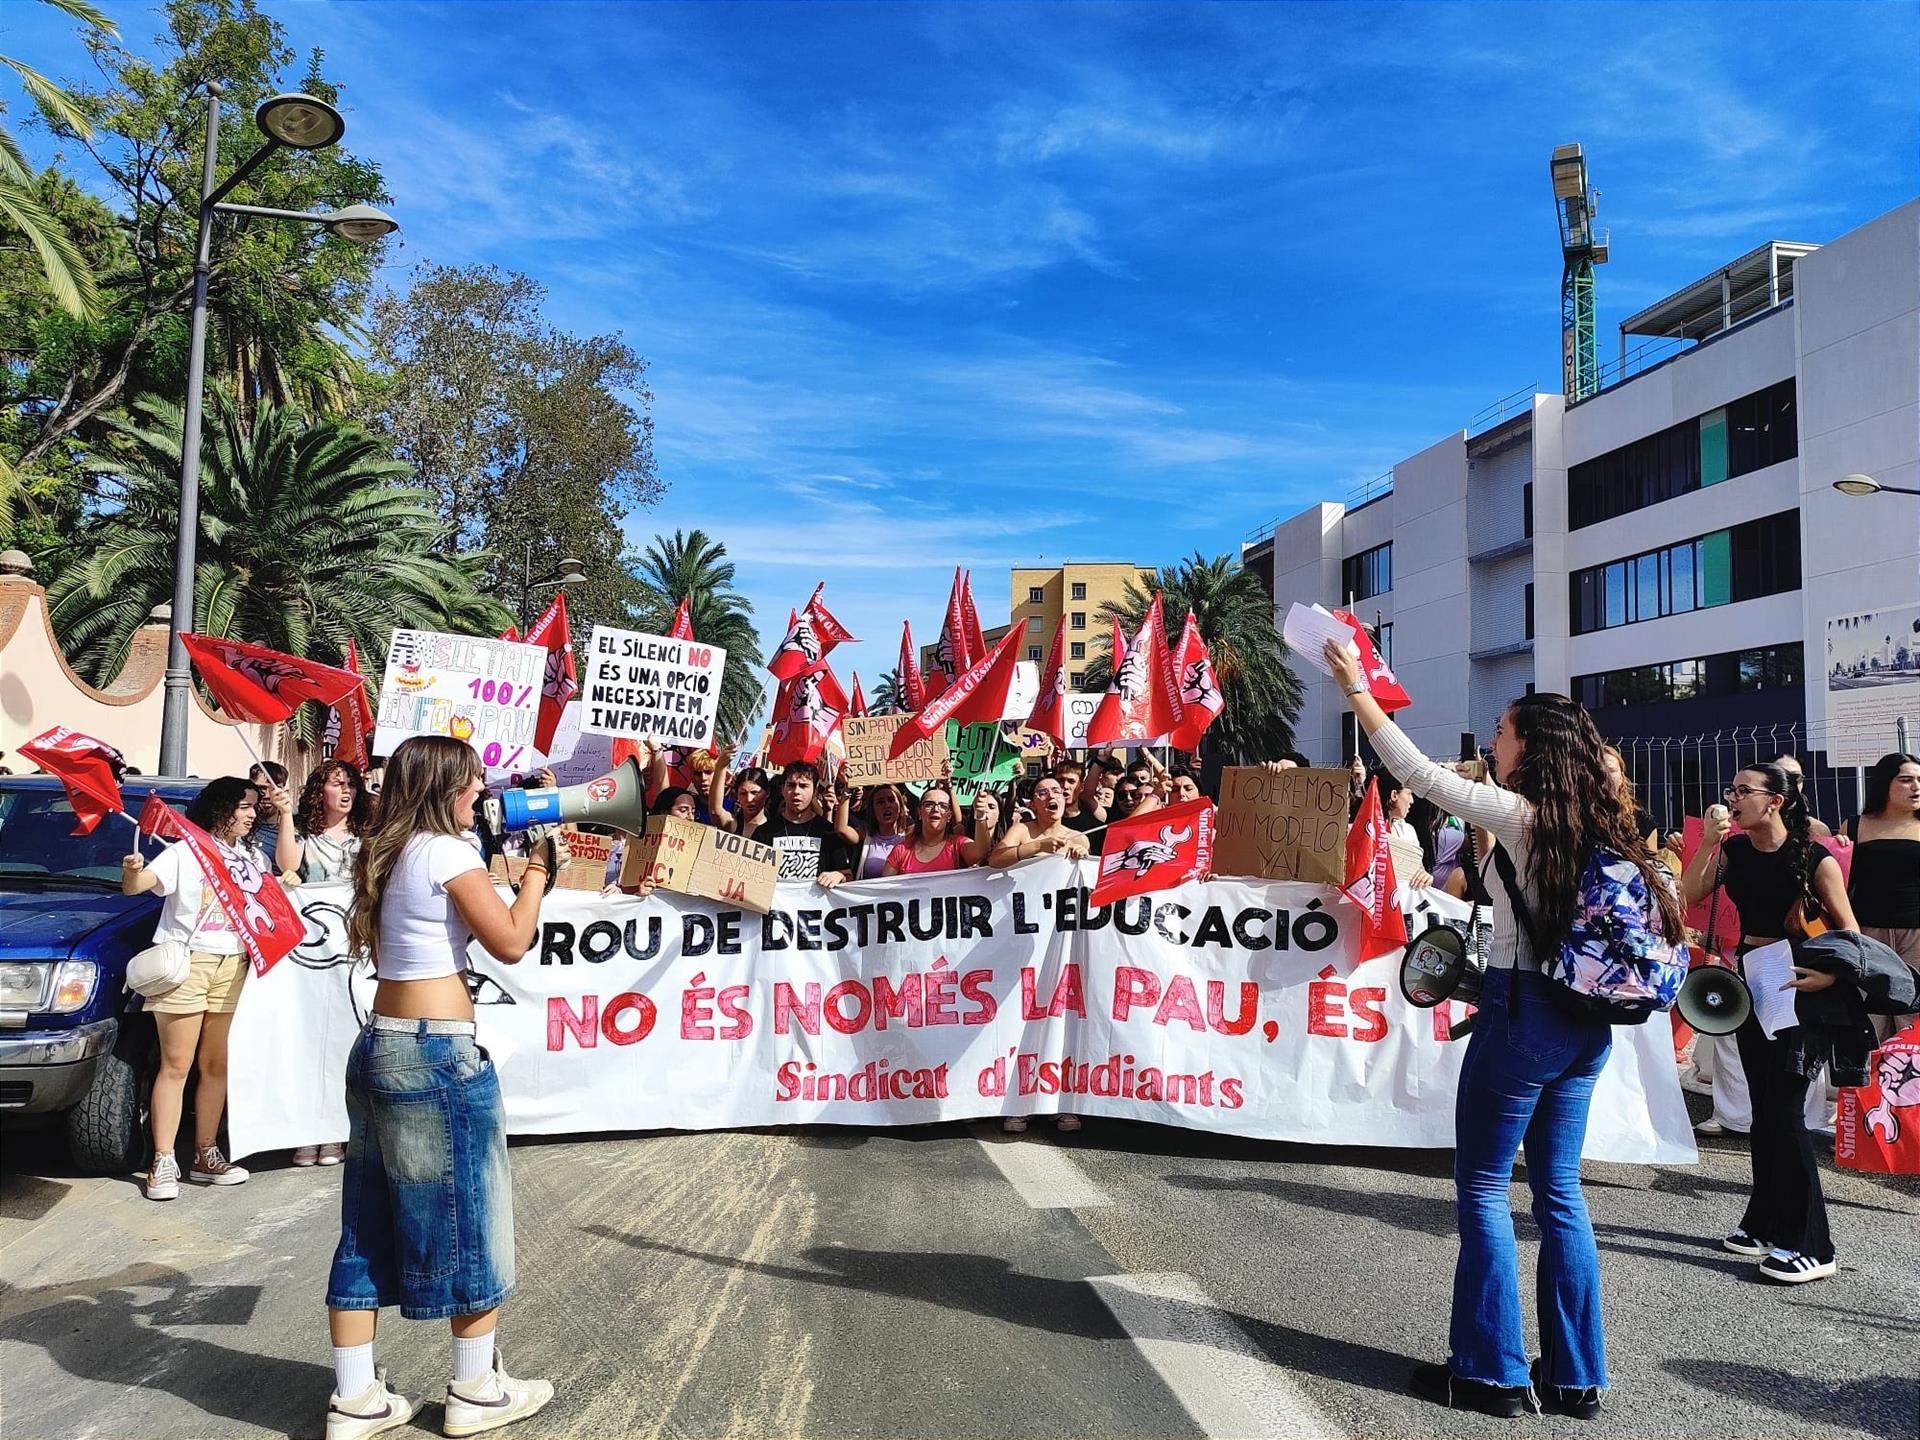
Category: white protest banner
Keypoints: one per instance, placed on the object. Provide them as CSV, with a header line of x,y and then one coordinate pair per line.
x,y
1023,692
1230,1006
483,691
651,687
1080,706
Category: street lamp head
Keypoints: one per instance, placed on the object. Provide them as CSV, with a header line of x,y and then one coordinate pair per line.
x,y
1857,485
360,224
299,122
572,572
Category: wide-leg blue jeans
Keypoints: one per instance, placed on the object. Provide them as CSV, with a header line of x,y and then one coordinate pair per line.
x,y
1528,1078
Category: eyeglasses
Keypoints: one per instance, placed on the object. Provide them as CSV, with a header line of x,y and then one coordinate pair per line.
x,y
1740,792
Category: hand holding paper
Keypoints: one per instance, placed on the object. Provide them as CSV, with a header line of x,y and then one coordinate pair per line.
x,y
1307,630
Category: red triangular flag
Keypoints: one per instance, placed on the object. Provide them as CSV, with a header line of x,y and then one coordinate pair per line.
x,y
980,694
858,705
1155,851
87,769
799,649
1200,699
511,634
552,633
1388,691
970,618
350,726
1118,650
910,690
829,631
252,898
1049,715
682,627
951,657
251,682
1142,702
807,710
1370,881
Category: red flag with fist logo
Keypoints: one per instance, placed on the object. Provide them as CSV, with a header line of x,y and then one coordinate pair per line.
x,y
87,769
1370,881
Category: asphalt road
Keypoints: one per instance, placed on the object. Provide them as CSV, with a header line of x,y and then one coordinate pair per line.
x,y
1128,1281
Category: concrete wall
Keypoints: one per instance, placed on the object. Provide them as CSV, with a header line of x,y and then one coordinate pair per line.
x,y
1432,626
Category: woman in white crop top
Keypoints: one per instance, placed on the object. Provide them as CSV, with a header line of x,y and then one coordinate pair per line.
x,y
426,1204
1530,1067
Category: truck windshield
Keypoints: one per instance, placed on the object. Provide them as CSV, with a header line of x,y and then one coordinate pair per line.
x,y
37,842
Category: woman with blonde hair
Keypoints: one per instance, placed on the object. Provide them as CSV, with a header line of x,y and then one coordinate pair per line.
x,y
426,1203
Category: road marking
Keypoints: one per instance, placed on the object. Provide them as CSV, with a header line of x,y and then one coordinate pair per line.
x,y
1216,1373
1043,1174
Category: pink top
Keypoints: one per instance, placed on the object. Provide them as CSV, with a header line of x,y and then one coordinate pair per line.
x,y
904,861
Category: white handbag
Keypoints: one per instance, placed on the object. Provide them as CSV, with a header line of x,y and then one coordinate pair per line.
x,y
163,968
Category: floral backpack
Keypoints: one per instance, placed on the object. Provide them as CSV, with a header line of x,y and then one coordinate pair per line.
x,y
1614,964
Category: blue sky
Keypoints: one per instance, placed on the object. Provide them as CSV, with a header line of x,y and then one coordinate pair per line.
x,y
992,285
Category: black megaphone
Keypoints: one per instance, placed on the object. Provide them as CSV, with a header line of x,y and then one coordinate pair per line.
x,y
1439,966
1714,1000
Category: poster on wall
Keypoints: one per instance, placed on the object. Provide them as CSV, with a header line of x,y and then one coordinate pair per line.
x,y
1873,683
483,691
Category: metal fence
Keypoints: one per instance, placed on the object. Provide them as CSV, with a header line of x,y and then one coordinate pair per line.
x,y
1677,776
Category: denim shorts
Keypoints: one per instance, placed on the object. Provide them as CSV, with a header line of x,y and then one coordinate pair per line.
x,y
426,1199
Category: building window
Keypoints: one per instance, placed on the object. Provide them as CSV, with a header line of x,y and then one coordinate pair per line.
x,y
1079,649
1033,653
1384,643
1526,509
1760,557
1079,678
1079,590
1036,595
1749,434
1367,574
1733,672
1529,603
1079,620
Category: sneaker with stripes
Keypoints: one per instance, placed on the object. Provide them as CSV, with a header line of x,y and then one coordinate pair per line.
x,y
1791,1268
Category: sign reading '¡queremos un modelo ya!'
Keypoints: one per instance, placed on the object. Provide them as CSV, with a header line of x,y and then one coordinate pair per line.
x,y
651,687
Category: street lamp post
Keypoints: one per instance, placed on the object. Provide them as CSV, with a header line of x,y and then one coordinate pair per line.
x,y
568,572
294,122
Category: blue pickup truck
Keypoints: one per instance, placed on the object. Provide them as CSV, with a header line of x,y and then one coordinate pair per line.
x,y
75,1047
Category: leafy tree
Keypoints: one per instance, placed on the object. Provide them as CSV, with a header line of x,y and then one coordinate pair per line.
x,y
691,566
309,538
281,296
525,435
888,696
69,279
1235,615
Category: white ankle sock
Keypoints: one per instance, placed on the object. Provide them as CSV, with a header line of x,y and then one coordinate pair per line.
x,y
472,1359
352,1369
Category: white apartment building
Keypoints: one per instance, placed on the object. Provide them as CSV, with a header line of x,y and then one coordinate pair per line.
x,y
1668,550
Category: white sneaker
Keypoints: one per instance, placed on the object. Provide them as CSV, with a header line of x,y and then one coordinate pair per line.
x,y
1692,1081
1712,1126
210,1167
163,1180
374,1409
496,1399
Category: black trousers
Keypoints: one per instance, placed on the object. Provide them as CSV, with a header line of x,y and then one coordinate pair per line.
x,y
1786,1209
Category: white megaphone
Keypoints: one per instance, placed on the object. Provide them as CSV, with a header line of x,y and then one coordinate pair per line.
x,y
617,800
1714,1000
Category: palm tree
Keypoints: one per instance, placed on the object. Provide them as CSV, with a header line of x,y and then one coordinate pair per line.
x,y
309,538
69,279
888,698
1235,615
691,566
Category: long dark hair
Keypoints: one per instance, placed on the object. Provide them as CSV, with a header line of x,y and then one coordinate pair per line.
x,y
918,834
1794,815
213,807
1576,810
1880,780
310,818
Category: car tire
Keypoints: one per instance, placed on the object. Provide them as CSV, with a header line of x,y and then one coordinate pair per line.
x,y
106,1131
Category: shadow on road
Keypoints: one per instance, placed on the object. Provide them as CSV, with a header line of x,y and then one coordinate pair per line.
x,y
990,1287
1885,1405
99,1330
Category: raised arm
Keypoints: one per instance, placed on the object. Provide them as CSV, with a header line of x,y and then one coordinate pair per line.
x,y
717,791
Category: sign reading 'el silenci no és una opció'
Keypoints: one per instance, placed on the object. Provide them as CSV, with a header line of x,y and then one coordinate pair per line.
x,y
651,687
483,691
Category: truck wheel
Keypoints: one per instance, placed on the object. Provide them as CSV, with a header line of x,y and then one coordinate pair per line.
x,y
106,1131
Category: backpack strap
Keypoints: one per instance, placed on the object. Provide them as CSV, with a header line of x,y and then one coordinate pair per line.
x,y
1503,864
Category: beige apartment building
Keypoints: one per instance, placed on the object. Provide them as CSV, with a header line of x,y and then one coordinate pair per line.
x,y
1041,595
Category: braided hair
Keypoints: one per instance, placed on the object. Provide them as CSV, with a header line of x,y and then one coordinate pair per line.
x,y
1796,817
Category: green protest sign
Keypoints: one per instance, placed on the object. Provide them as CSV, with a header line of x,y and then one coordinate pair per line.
x,y
972,747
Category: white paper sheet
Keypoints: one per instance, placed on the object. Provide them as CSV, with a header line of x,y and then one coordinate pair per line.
x,y
1769,968
1307,630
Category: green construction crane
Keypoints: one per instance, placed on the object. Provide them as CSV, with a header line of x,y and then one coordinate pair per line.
x,y
1581,248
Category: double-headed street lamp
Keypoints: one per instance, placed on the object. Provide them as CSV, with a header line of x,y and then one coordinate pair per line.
x,y
290,122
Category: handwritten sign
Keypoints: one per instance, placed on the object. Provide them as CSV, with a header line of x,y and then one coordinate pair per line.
x,y
588,856
697,859
485,692
867,738
1289,825
973,747
651,687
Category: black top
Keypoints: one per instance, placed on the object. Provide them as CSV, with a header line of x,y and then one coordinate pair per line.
x,y
1760,884
806,848
1084,822
1885,884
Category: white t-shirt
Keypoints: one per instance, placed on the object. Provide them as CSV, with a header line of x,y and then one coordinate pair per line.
x,y
189,900
422,935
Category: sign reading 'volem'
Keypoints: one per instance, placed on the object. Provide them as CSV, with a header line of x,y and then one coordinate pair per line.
x,y
651,687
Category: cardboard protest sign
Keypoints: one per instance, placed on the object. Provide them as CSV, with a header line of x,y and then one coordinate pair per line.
x,y
588,855
651,687
1284,825
483,691
697,859
972,747
868,738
